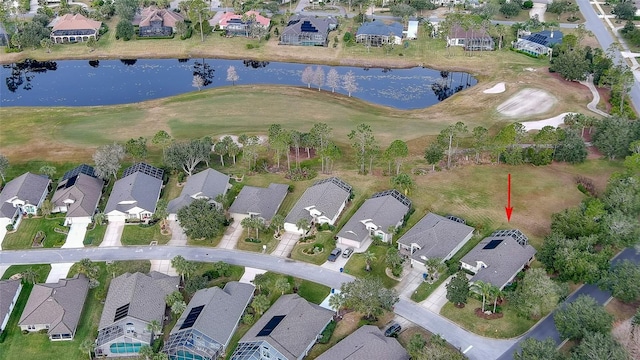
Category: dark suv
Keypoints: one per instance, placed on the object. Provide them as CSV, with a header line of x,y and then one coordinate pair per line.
x,y
334,254
393,330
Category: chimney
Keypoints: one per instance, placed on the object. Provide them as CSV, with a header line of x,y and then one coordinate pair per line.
x,y
552,34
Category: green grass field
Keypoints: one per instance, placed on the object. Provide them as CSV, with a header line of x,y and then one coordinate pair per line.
x,y
356,265
95,236
324,238
138,235
27,230
41,269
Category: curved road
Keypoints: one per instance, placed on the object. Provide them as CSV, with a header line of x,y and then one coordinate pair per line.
x,y
477,347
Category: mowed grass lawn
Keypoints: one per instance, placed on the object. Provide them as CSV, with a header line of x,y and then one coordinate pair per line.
x,y
42,271
324,238
95,236
143,235
27,230
356,265
506,327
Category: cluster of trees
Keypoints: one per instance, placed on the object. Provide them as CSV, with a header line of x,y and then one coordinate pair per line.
x,y
202,219
367,296
561,7
583,239
624,10
333,79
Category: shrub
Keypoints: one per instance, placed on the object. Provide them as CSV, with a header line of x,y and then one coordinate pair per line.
x,y
326,334
9,227
187,34
252,240
211,274
301,174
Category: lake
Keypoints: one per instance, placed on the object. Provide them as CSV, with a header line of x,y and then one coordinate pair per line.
x,y
110,82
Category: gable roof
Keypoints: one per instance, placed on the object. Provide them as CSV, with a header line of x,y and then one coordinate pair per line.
x,y
366,343
326,196
436,236
299,325
304,24
143,293
217,313
380,28
231,17
207,183
503,256
74,22
27,187
383,209
262,201
138,188
8,289
58,304
84,190
152,13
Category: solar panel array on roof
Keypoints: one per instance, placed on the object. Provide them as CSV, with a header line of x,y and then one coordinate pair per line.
x,y
456,219
538,39
192,317
492,244
82,169
396,195
145,169
67,184
307,27
271,325
121,312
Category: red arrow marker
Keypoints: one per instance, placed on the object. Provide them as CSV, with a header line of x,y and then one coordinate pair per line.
x,y
509,209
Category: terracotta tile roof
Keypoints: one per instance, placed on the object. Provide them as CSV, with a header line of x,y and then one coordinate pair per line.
x,y
152,13
264,21
75,22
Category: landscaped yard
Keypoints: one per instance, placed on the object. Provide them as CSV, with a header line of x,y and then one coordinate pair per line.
x,y
356,266
266,238
203,267
143,235
323,240
95,236
27,230
506,327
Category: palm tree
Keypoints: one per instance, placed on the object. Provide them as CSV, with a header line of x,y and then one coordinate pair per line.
x,y
30,275
336,301
154,327
87,346
368,258
178,307
247,224
496,293
89,268
182,266
146,352
304,225
282,284
260,304
434,266
277,221
483,289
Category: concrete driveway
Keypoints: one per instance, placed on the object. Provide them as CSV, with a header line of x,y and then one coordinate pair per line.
x,y
58,271
438,297
340,262
113,234
287,242
231,236
178,237
75,237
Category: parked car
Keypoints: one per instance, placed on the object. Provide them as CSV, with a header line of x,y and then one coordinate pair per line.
x,y
347,252
393,330
334,254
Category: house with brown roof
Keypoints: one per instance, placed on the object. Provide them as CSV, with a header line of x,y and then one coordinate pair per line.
x,y
249,24
55,308
78,195
368,342
74,28
157,22
472,39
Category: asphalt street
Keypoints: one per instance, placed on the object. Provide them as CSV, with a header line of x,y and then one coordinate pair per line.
x,y
476,347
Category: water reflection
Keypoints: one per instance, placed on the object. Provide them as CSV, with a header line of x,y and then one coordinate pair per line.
x,y
107,82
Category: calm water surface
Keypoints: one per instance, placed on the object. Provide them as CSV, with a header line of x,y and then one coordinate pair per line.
x,y
109,82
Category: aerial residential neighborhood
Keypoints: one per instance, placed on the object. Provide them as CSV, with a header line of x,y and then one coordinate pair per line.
x,y
301,179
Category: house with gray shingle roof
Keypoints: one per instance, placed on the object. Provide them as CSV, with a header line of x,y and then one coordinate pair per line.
x,y
9,292
205,328
321,203
258,202
136,195
20,196
308,30
378,33
366,343
384,210
56,308
78,196
133,301
286,331
206,184
497,259
434,236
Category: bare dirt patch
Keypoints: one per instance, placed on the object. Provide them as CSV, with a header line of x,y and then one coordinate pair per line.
x,y
527,102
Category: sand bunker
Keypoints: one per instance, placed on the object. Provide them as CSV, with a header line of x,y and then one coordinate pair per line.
x,y
527,102
496,89
554,121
